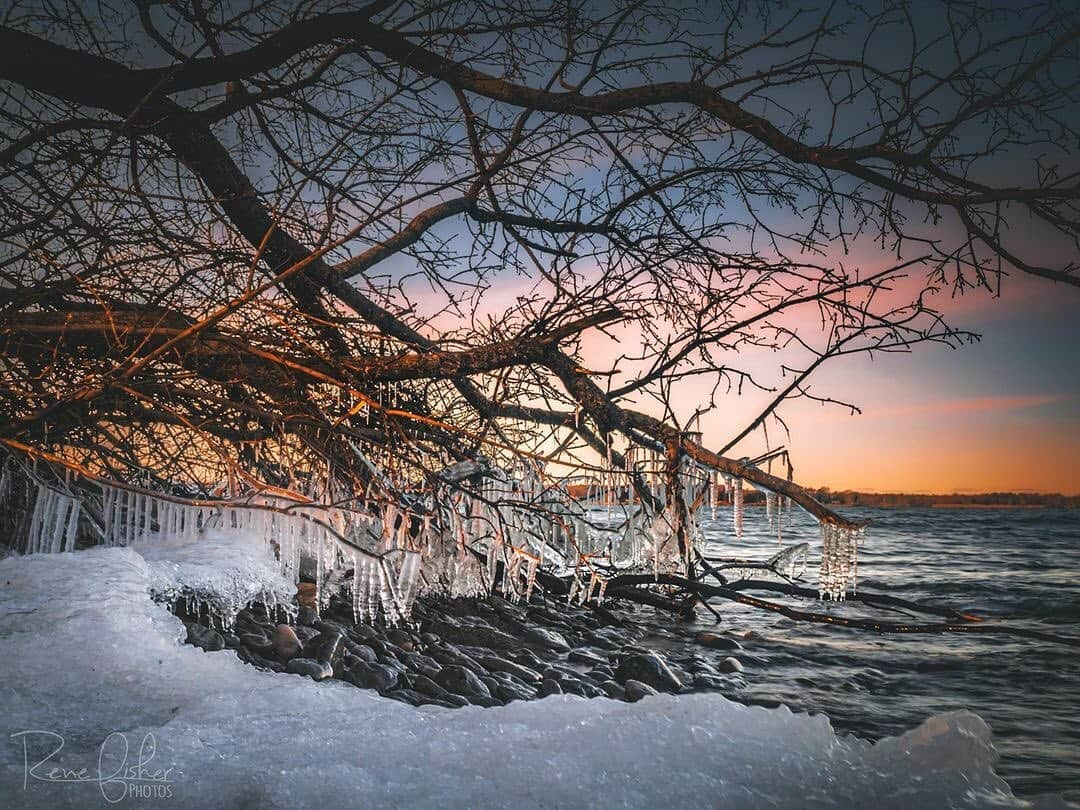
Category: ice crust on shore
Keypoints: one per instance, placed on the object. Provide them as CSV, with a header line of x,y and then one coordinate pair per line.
x,y
87,653
225,572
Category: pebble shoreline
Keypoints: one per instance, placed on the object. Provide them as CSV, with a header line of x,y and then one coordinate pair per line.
x,y
483,652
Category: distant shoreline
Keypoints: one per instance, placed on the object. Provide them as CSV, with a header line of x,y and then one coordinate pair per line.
x,y
985,500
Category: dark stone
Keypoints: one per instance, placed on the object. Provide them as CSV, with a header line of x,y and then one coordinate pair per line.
x,y
508,691
477,635
424,685
332,649
585,657
602,673
418,662
716,641
305,633
490,683
408,696
363,632
703,680
647,668
429,638
731,665
329,627
461,681
542,637
362,651
613,690
373,676
636,690
449,655
549,687
496,664
307,617
400,638
205,638
528,658
318,670
257,642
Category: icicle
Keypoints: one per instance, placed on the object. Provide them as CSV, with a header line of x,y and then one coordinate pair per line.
x,y
72,525
737,505
712,493
839,560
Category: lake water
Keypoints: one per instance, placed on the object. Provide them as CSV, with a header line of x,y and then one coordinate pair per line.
x,y
1020,566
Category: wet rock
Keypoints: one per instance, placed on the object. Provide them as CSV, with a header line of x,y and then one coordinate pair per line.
x,y
636,690
374,676
429,639
488,702
542,637
318,670
424,685
549,687
449,655
703,680
491,684
508,691
477,635
423,664
305,633
528,658
362,651
608,638
329,626
257,642
363,632
648,668
400,639
716,641
461,681
332,649
613,690
573,686
205,638
259,661
585,657
602,673
731,665
496,664
307,616
406,696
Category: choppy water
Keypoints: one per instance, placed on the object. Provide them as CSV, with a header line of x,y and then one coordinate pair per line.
x,y
1015,565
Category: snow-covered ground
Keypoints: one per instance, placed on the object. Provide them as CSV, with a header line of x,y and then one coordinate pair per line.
x,y
87,659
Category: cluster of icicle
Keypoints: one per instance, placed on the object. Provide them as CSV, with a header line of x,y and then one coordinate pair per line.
x,y
582,594
131,515
513,521
54,523
839,560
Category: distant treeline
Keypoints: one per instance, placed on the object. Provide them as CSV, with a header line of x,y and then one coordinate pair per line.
x,y
1018,499
848,497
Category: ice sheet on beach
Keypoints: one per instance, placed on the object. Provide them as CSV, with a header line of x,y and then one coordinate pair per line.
x,y
86,653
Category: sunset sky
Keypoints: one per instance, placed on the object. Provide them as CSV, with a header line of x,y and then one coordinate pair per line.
x,y
1003,414
1000,414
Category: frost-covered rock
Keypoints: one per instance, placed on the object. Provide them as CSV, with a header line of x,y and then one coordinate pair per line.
x,y
220,733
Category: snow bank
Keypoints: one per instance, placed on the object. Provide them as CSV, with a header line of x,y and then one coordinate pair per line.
x,y
86,653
